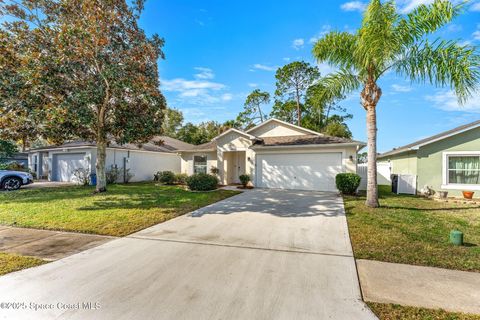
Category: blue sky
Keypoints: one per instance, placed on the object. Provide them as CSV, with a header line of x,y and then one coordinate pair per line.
x,y
219,51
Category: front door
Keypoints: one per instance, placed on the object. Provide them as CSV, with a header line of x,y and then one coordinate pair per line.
x,y
239,163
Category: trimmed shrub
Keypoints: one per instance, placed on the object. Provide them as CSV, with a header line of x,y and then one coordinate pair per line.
x,y
166,177
112,175
347,183
202,182
214,170
181,178
244,179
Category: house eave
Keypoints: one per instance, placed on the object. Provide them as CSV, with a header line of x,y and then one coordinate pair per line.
x,y
299,146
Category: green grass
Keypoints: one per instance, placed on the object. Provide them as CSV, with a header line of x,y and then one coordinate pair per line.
x,y
397,312
414,230
124,209
12,262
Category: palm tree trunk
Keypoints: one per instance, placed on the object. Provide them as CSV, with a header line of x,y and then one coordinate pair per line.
x,y
372,190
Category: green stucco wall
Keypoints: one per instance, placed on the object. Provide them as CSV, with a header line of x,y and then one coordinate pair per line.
x,y
430,158
404,163
426,162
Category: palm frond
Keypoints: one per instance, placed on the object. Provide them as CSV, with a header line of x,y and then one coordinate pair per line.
x,y
442,63
336,49
426,19
376,38
337,85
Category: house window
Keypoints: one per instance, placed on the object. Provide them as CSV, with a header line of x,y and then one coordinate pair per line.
x,y
463,169
200,164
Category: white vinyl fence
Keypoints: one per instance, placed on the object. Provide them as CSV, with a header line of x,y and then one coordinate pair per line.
x,y
383,174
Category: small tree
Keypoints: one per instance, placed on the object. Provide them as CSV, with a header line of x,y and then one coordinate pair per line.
x,y
7,149
252,111
293,80
93,68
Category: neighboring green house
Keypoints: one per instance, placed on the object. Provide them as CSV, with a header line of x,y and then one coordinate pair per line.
x,y
447,161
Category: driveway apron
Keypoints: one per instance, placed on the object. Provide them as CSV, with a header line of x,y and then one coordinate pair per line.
x,y
264,254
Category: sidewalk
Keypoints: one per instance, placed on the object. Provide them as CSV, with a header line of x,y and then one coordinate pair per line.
x,y
418,286
46,244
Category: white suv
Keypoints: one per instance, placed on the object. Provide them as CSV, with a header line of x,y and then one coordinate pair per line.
x,y
13,180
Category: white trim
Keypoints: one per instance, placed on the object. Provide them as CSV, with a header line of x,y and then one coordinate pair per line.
x,y
453,186
232,149
418,145
199,155
295,146
285,123
234,130
445,136
462,187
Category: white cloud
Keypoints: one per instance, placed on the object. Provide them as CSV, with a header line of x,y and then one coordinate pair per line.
x,y
408,5
400,88
226,97
454,27
199,91
253,85
447,100
476,34
475,6
325,69
323,31
286,59
353,6
263,67
204,73
297,44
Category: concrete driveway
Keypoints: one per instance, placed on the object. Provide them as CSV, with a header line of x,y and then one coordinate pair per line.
x,y
259,255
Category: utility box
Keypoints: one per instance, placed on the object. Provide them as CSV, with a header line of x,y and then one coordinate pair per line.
x,y
456,237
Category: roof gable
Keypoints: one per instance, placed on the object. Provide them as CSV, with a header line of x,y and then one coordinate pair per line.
x,y
249,136
443,135
275,128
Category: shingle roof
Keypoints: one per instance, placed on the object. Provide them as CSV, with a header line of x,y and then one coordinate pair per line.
x,y
436,137
302,140
156,144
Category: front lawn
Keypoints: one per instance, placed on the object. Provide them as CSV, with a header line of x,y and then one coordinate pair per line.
x,y
414,230
395,312
124,209
13,262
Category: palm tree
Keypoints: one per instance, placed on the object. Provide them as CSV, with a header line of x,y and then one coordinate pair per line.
x,y
389,41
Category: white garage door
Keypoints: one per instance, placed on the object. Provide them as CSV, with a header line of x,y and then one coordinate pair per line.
x,y
65,164
308,171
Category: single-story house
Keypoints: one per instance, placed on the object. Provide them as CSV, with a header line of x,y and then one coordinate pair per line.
x,y
275,154
57,163
20,158
448,161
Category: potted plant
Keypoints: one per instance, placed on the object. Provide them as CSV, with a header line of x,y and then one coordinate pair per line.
x,y
244,179
443,194
468,194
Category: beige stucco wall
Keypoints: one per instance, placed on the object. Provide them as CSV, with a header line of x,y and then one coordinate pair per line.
x,y
275,129
186,159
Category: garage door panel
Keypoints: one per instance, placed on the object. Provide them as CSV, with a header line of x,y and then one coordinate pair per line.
x,y
299,171
66,164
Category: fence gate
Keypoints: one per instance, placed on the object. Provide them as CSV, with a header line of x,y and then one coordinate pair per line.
x,y
383,174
